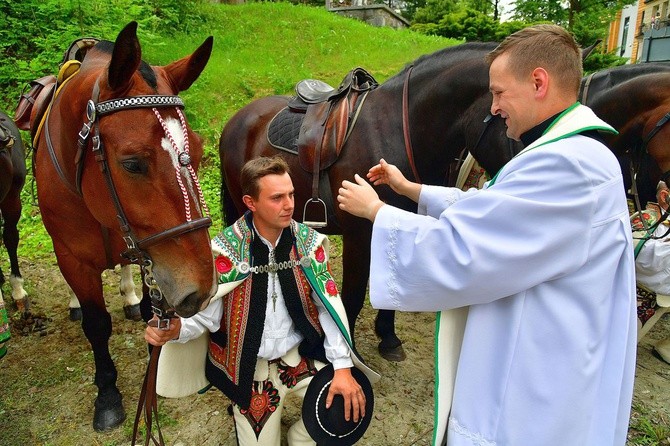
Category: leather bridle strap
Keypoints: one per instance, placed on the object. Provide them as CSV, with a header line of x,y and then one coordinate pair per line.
x,y
405,125
657,128
585,89
94,111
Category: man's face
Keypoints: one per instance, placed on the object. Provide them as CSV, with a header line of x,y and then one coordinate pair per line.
x,y
512,98
273,209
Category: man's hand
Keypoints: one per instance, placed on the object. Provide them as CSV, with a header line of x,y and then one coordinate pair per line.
x,y
354,399
359,198
155,336
385,173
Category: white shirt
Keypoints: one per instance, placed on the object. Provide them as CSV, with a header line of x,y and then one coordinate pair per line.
x,y
544,260
652,265
279,333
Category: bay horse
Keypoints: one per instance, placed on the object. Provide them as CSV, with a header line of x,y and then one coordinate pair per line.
x,y
12,179
135,198
423,120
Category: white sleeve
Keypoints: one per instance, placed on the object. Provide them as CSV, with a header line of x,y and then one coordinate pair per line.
x,y
433,200
337,349
652,265
468,253
208,319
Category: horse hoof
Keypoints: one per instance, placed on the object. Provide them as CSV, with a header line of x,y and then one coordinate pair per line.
x,y
132,312
109,418
394,353
75,314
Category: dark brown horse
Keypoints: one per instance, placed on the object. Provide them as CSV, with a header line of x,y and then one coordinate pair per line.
x,y
447,103
115,166
12,179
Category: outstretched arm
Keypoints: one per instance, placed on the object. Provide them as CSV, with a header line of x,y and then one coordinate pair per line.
x,y
385,173
359,198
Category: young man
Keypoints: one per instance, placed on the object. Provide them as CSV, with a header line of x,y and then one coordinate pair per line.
x,y
280,317
542,255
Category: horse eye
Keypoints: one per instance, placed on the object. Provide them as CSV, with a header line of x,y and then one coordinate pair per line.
x,y
134,165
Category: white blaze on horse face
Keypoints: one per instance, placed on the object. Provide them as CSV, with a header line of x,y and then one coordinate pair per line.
x,y
174,127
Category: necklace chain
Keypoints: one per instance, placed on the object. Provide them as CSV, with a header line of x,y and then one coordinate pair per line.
x,y
272,275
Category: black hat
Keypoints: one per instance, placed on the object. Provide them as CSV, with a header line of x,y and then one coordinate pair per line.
x,y
327,426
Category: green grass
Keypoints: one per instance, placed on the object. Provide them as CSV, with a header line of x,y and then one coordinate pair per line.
x,y
260,49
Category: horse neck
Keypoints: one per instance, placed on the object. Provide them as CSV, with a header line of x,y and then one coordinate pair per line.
x,y
438,97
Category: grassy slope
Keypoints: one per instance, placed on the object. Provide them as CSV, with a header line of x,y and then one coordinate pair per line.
x,y
259,49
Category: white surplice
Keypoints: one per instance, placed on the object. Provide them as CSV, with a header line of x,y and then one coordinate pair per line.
x,y
544,260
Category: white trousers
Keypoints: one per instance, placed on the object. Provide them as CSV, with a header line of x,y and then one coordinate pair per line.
x,y
261,423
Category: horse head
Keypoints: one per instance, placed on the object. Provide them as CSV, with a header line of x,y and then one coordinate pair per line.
x,y
640,119
139,182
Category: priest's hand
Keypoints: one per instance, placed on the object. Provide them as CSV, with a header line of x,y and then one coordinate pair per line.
x,y
157,336
345,384
359,198
385,173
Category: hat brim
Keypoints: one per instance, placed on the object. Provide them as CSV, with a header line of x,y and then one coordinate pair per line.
x,y
327,426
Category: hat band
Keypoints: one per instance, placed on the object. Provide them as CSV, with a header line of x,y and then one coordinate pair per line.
x,y
318,418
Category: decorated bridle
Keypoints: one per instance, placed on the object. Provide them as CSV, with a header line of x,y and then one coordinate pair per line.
x,y
136,248
643,149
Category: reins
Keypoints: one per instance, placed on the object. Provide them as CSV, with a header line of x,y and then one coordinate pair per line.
x,y
405,125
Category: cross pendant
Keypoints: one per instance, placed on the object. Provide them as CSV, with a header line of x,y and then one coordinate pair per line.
x,y
274,301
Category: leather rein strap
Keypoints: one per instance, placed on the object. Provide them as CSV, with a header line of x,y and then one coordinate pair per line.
x,y
405,125
148,403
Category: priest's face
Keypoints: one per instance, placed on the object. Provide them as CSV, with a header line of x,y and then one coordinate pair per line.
x,y
273,208
513,97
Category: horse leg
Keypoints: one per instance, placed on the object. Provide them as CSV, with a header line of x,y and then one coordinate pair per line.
x,y
97,325
390,346
356,271
131,303
75,308
11,212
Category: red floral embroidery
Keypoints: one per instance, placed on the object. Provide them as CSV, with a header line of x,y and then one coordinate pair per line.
x,y
331,287
223,264
320,255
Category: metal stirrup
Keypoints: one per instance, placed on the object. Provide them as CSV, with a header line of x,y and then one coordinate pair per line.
x,y
315,223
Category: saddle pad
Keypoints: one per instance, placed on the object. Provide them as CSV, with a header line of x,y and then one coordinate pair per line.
x,y
284,129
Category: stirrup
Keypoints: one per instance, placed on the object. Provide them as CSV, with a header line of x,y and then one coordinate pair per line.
x,y
315,223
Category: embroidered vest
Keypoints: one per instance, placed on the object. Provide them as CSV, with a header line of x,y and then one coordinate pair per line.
x,y
233,349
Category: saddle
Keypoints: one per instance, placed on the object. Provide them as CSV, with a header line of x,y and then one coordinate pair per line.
x,y
34,103
329,116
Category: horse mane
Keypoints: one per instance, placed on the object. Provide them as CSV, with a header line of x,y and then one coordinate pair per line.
x,y
106,48
446,56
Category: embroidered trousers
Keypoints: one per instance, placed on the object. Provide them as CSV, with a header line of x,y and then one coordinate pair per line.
x,y
261,423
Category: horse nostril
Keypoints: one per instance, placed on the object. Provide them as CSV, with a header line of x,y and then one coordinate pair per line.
x,y
190,305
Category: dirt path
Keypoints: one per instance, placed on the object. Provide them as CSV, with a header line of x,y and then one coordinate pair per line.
x,y
47,381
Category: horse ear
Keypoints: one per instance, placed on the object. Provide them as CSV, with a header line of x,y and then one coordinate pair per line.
x,y
589,49
126,58
183,72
